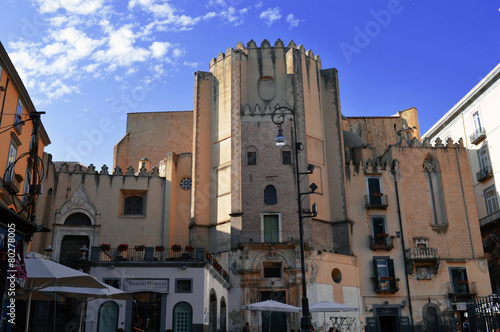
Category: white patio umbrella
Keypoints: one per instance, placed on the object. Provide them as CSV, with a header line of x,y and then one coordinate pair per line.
x,y
271,305
325,306
85,294
42,273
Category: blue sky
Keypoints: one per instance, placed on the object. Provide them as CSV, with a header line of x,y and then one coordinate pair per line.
x,y
88,63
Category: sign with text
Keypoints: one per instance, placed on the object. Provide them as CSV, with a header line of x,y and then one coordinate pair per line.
x,y
371,324
146,285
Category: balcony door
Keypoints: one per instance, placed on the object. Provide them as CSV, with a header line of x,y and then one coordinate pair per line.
x,y
459,280
374,190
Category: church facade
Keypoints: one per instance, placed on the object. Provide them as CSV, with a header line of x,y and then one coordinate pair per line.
x,y
211,219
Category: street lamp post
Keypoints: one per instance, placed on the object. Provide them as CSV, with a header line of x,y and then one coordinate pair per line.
x,y
278,117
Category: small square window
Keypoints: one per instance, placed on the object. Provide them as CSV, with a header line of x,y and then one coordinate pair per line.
x,y
272,270
286,157
183,285
112,282
251,158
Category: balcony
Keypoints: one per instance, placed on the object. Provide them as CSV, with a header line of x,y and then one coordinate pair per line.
x,y
376,201
478,136
152,255
385,285
485,173
462,289
422,256
381,242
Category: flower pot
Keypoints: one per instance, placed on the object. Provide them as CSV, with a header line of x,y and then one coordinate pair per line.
x,y
122,248
105,248
176,249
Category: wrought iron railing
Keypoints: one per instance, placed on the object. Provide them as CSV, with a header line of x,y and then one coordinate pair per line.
x,y
485,173
381,242
478,135
376,201
462,288
103,254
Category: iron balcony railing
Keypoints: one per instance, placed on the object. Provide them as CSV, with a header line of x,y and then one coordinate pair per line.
x,y
422,254
485,173
118,255
477,136
384,285
376,201
462,288
381,242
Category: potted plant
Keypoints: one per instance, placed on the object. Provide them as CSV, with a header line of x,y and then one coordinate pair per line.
x,y
123,247
189,248
224,273
176,248
159,248
140,247
208,256
105,247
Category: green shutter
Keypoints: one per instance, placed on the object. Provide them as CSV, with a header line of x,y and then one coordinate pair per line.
x,y
271,229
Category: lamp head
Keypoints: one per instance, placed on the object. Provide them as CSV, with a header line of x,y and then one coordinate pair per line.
x,y
280,140
310,168
313,187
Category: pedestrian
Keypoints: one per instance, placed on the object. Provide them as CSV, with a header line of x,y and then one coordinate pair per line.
x,y
246,328
465,325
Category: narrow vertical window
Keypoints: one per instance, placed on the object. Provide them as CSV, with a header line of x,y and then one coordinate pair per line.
x,y
270,196
434,192
271,228
490,197
379,230
19,113
374,190
251,155
9,175
477,121
484,160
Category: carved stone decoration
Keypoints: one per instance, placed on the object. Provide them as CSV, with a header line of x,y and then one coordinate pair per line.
x,y
130,171
91,169
104,170
246,110
267,110
257,109
118,171
429,165
438,143
79,202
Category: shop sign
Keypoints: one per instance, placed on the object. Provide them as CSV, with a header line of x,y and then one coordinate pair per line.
x,y
146,285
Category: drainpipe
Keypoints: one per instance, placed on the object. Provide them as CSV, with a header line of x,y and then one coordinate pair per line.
x,y
465,204
394,173
4,96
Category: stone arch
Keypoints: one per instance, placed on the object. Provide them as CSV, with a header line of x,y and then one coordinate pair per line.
x,y
432,317
78,203
212,311
434,190
272,255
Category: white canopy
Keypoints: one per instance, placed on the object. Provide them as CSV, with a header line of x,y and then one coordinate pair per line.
x,y
271,305
326,306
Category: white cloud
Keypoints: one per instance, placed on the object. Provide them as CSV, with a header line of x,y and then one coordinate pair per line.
x,y
159,49
270,15
190,64
292,21
83,7
178,52
121,50
165,14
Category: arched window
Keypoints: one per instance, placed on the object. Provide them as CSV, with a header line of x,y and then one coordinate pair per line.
x,y
108,317
133,205
434,192
183,317
270,196
78,219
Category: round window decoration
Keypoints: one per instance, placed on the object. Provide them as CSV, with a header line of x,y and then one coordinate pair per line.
x,y
336,276
266,88
186,183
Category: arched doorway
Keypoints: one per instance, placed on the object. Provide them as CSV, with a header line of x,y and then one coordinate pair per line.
x,y
222,315
70,249
212,312
108,317
183,317
146,312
